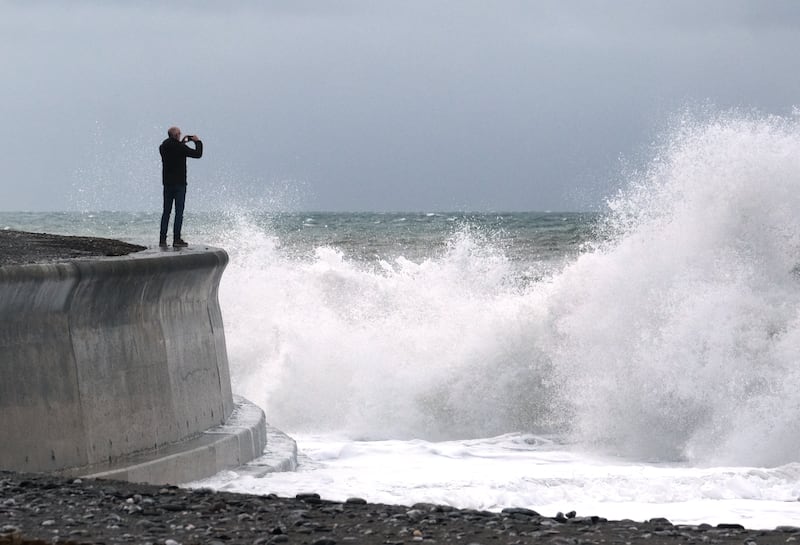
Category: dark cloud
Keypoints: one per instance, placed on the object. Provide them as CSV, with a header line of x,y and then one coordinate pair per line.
x,y
369,105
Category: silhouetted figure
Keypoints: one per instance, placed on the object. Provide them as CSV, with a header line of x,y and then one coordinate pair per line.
x,y
174,152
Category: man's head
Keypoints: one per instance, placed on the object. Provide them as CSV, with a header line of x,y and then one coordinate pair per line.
x,y
174,132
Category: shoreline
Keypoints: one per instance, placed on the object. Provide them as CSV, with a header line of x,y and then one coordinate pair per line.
x,y
42,508
45,508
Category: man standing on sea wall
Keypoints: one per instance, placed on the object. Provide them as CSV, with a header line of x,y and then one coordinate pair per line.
x,y
174,152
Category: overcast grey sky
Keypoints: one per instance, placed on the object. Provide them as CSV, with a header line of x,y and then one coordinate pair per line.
x,y
368,104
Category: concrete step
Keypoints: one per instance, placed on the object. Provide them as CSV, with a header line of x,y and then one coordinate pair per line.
x,y
242,439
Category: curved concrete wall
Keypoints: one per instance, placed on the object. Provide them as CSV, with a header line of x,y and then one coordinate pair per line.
x,y
107,357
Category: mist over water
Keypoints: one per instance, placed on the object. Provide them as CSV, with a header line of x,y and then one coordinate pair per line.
x,y
384,348
673,335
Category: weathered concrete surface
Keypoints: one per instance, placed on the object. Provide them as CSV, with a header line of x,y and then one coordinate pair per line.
x,y
238,441
279,455
102,358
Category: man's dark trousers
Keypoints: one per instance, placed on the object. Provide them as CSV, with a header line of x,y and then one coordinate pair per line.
x,y
172,193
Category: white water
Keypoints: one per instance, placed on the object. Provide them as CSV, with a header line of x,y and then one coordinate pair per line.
x,y
506,471
665,360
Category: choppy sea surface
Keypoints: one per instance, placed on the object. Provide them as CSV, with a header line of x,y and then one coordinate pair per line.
x,y
638,361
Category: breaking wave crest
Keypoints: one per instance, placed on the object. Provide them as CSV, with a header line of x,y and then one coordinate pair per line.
x,y
675,336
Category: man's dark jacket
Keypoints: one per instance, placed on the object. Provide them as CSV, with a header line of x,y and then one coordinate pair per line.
x,y
173,160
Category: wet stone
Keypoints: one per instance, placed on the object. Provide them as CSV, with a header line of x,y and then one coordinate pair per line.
x,y
586,520
308,497
659,521
520,511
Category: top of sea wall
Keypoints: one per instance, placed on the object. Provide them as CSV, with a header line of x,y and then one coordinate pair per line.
x,y
21,247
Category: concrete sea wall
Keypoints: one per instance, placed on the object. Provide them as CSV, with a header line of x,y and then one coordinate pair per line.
x,y
106,359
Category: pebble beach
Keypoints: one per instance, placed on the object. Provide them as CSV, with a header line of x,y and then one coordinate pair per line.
x,y
40,509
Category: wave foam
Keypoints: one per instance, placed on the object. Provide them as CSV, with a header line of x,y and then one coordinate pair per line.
x,y
674,338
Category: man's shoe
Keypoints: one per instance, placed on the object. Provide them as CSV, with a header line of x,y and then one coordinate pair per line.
x,y
179,243
162,242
